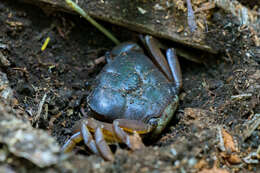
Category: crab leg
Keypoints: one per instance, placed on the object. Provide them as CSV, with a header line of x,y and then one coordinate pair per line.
x,y
174,66
84,135
122,130
87,138
154,48
122,126
133,142
102,145
98,146
70,144
170,68
133,126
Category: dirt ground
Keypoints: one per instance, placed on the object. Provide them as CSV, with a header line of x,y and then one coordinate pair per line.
x,y
212,127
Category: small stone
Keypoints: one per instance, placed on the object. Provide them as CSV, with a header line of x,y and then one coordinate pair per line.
x,y
4,61
173,152
192,161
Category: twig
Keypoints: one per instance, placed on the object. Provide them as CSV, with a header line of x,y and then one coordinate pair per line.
x,y
38,115
241,96
221,140
79,10
191,17
251,126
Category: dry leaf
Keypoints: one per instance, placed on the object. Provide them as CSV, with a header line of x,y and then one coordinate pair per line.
x,y
201,164
228,141
234,159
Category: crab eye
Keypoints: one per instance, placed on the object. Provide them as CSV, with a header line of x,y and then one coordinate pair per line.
x,y
153,121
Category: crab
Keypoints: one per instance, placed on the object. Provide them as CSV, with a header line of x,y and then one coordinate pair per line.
x,y
133,96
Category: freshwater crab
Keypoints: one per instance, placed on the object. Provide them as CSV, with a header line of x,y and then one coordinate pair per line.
x,y
133,96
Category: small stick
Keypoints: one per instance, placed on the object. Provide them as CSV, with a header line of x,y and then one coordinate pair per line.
x,y
221,140
37,117
250,127
191,17
79,10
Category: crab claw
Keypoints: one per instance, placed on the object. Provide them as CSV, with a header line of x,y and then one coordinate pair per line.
x,y
96,136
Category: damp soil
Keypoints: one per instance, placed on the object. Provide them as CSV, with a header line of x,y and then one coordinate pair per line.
x,y
65,70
